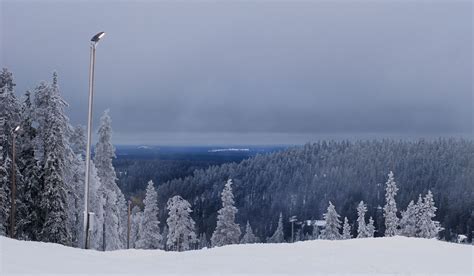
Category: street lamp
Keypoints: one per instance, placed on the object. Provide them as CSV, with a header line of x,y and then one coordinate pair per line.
x,y
13,188
94,41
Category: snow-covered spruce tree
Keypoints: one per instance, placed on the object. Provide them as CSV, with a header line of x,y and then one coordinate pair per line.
x,y
116,211
150,237
408,221
346,230
9,111
52,130
362,227
428,228
29,188
315,234
278,236
181,233
390,208
249,236
332,228
227,231
371,228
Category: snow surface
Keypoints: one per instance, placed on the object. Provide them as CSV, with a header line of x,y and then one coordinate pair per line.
x,y
230,149
379,256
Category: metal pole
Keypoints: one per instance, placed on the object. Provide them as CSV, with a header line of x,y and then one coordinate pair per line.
x,y
88,149
128,228
292,232
13,191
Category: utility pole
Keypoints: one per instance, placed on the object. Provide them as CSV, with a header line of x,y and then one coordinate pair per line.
x,y
13,188
129,225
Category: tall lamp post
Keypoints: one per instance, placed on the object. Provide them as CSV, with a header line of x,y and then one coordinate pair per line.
x,y
13,188
94,41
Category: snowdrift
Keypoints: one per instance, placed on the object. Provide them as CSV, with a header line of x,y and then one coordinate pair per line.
x,y
379,256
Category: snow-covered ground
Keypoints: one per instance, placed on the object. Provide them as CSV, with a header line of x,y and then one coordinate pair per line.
x,y
381,256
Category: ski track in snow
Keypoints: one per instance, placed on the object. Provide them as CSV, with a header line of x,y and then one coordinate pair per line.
x,y
376,256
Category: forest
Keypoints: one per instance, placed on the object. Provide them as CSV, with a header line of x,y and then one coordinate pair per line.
x,y
300,182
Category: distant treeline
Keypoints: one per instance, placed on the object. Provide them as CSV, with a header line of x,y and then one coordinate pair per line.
x,y
300,182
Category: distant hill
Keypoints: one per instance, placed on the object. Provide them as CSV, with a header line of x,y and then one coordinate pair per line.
x,y
302,180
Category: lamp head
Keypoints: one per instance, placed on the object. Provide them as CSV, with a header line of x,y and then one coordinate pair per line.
x,y
16,129
97,37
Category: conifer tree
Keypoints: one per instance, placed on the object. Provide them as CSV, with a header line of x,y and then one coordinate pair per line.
x,y
371,228
249,236
362,227
346,230
29,188
181,233
427,227
9,111
278,236
408,221
333,224
116,208
150,237
227,231
164,237
53,129
390,208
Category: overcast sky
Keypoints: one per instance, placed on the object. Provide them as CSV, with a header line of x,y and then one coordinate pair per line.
x,y
206,72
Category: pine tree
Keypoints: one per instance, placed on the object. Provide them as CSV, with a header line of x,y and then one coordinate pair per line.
x,y
180,225
278,236
227,231
97,207
346,230
362,227
29,188
150,237
53,130
428,228
164,237
333,224
116,208
249,236
390,208
371,228
315,234
408,221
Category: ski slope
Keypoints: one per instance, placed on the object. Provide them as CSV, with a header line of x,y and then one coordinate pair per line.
x,y
380,256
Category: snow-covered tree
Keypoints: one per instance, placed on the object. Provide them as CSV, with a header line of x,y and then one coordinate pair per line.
x,y
408,221
390,208
181,233
53,127
9,112
346,230
136,221
29,188
332,228
316,232
249,236
227,231
362,227
371,228
116,211
427,227
150,237
278,236
164,237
